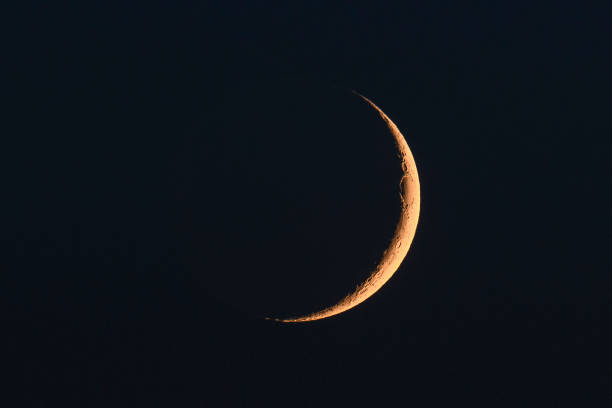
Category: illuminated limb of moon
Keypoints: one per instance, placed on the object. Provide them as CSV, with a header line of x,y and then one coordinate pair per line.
x,y
404,232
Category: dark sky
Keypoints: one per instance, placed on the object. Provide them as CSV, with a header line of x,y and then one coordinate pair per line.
x,y
159,158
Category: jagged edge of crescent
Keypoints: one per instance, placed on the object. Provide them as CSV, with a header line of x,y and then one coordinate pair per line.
x,y
404,233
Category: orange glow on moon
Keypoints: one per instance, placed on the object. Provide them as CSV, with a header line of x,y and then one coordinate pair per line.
x,y
404,233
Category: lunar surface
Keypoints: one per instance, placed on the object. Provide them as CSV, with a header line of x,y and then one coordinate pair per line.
x,y
401,241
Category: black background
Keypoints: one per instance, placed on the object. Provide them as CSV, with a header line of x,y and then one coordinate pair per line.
x,y
504,296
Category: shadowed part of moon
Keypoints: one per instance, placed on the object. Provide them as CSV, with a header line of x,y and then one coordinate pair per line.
x,y
404,232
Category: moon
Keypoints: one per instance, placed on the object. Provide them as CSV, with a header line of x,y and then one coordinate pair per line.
x,y
404,233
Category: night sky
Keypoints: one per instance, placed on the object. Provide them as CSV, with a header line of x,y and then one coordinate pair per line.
x,y
172,172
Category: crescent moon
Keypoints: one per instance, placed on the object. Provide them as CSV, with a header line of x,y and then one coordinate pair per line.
x,y
404,233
